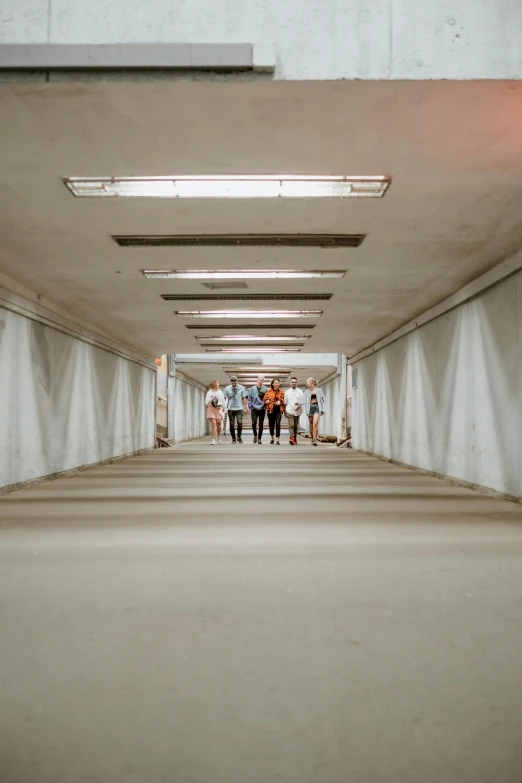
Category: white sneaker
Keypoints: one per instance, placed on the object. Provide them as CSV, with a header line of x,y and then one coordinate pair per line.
x,y
219,441
213,443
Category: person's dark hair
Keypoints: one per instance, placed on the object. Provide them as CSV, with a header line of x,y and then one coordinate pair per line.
x,y
293,378
273,381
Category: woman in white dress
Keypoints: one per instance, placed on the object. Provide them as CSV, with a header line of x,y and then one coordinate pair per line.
x,y
215,402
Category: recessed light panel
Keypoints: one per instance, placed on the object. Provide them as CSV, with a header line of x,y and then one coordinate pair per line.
x,y
321,241
232,327
245,186
249,314
239,274
246,297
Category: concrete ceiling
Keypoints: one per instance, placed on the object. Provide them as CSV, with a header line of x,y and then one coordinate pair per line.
x,y
453,149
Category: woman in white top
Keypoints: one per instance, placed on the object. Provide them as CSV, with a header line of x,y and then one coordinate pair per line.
x,y
314,405
215,402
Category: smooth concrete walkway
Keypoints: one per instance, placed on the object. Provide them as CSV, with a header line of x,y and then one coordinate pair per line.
x,y
258,614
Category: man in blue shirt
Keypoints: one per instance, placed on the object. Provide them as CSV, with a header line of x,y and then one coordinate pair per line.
x,y
235,396
257,407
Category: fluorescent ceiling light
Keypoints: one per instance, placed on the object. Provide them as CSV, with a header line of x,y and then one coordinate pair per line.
x,y
243,186
252,350
252,338
243,274
248,348
253,377
249,313
258,368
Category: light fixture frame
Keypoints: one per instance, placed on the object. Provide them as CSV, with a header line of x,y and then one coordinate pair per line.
x,y
241,274
254,351
231,186
253,338
254,314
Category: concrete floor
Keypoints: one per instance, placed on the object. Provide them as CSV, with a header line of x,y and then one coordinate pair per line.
x,y
256,614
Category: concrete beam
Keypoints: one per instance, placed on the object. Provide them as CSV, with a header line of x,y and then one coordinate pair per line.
x,y
292,359
225,56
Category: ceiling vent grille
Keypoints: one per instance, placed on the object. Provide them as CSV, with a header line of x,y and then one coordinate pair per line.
x,y
240,240
245,297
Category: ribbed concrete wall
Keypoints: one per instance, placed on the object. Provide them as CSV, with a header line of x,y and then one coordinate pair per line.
x,y
65,403
448,396
335,393
313,39
186,409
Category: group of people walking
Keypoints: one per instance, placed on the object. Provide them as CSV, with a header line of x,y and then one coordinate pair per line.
x,y
261,400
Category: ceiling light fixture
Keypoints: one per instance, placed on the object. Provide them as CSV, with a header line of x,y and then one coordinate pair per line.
x,y
245,369
243,274
253,338
281,376
222,186
249,378
249,313
252,350
249,348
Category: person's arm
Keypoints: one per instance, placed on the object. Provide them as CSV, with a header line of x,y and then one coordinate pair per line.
x,y
245,395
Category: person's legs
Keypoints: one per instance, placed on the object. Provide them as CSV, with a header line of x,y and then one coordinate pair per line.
x,y
292,427
261,423
213,429
277,422
254,423
317,418
311,423
239,415
232,424
271,424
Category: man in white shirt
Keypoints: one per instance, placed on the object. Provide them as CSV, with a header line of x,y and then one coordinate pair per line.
x,y
293,409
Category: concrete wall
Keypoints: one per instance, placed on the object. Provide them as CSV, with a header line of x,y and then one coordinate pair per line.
x,y
65,403
314,39
186,408
448,396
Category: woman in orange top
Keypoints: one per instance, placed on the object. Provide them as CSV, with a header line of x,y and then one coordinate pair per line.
x,y
274,400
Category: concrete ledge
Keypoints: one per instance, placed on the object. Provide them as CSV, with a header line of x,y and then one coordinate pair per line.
x,y
70,473
481,490
212,56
